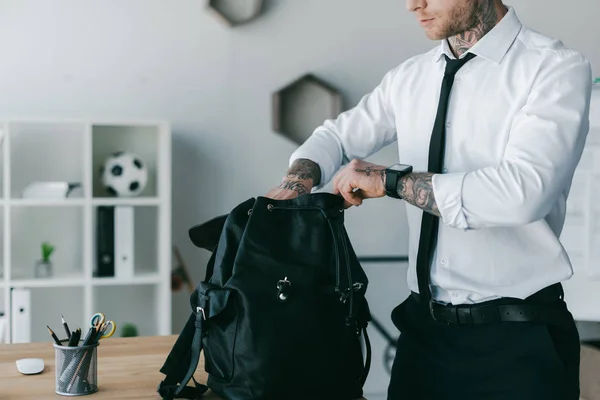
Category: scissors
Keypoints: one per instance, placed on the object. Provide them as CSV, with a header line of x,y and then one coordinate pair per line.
x,y
106,328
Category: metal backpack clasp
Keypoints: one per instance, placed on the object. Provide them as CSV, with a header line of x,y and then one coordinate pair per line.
x,y
283,289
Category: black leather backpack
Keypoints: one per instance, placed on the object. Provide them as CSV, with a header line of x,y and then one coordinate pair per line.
x,y
282,310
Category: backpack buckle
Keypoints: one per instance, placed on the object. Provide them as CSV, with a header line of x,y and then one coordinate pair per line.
x,y
283,289
201,310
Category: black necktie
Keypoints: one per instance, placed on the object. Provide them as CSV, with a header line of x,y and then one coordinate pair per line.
x,y
429,222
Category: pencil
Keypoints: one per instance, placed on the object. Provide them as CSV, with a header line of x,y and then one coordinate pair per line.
x,y
66,327
90,335
54,336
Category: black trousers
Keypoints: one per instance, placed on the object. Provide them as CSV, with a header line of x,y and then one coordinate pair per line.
x,y
497,361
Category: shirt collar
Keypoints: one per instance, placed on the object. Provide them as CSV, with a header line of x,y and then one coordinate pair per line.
x,y
492,46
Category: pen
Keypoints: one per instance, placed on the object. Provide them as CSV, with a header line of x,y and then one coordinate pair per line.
x,y
74,340
90,335
66,327
54,336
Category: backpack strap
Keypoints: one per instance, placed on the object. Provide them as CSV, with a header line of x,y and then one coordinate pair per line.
x,y
359,314
208,300
185,352
368,356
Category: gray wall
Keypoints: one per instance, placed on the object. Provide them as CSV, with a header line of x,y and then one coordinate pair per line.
x,y
173,60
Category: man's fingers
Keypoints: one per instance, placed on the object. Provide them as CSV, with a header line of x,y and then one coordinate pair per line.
x,y
349,194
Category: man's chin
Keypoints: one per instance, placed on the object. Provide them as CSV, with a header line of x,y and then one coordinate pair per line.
x,y
434,35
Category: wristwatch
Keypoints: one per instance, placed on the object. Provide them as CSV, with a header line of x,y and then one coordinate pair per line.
x,y
392,174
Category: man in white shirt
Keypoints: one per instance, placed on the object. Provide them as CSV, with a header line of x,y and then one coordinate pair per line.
x,y
486,173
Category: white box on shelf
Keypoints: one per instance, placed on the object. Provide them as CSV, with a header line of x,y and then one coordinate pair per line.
x,y
20,310
3,328
124,242
49,190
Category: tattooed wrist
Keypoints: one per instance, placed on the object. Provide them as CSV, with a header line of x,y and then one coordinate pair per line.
x,y
368,170
304,169
296,186
417,189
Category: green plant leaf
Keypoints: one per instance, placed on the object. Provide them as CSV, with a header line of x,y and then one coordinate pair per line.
x,y
47,250
129,330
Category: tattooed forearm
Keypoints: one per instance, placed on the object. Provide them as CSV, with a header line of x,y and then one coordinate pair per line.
x,y
295,186
484,17
417,189
304,169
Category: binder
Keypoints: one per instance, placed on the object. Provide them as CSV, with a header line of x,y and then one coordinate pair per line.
x,y
3,328
105,241
124,242
20,312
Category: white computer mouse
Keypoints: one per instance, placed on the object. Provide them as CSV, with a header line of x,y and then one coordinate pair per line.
x,y
30,366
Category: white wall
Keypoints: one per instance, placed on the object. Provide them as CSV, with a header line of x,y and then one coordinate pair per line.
x,y
173,60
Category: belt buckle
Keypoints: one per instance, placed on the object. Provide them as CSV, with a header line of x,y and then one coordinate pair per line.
x,y
431,302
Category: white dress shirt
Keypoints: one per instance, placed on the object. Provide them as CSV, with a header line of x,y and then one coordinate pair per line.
x,y
517,122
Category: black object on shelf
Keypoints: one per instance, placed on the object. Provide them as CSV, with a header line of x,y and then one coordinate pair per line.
x,y
234,12
105,241
303,105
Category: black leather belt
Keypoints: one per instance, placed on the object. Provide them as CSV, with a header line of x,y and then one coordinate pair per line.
x,y
554,313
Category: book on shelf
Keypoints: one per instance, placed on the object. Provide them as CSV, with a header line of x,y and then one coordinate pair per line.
x,y
115,241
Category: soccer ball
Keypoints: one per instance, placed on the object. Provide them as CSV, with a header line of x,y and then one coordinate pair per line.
x,y
124,174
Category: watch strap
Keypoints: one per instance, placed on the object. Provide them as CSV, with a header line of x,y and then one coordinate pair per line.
x,y
391,183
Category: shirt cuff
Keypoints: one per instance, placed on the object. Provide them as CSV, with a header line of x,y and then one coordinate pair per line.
x,y
447,190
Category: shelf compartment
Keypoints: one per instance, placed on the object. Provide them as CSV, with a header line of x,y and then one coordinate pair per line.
x,y
4,313
47,306
136,201
140,279
3,266
49,283
61,226
140,310
46,152
302,106
235,12
108,247
141,141
47,203
3,159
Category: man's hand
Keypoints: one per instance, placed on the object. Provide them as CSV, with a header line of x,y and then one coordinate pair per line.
x,y
359,180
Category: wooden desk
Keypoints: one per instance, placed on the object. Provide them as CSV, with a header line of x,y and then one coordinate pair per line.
x,y
128,368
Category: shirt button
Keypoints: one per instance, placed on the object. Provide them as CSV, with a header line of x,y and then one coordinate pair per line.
x,y
443,261
448,124
445,170
455,294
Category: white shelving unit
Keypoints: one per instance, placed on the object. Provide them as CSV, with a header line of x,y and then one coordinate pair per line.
x,y
73,151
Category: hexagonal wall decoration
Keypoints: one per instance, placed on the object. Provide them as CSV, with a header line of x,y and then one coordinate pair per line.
x,y
303,105
235,12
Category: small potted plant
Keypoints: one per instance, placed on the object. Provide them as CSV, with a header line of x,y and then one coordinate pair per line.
x,y
129,330
43,267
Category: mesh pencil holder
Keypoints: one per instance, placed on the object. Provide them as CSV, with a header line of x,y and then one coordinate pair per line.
x,y
76,372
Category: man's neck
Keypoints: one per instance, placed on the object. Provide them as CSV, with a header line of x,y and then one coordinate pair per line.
x,y
489,13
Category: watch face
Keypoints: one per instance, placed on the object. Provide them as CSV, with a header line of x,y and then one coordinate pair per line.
x,y
400,167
